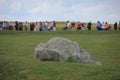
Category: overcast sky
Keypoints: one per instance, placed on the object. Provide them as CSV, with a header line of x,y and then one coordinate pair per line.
x,y
60,10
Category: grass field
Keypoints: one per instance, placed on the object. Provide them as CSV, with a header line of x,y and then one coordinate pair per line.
x,y
17,51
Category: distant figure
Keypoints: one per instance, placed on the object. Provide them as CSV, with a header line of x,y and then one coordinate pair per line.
x,y
46,25
31,26
73,25
50,27
20,25
4,25
68,25
106,26
99,26
115,26
89,26
78,26
10,26
43,27
26,25
54,26
40,26
16,25
1,25
35,27
83,26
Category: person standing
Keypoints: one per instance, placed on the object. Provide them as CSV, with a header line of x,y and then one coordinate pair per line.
x,y
26,25
4,25
89,26
83,26
78,26
54,26
46,24
37,26
68,24
115,26
1,23
66,27
10,26
32,27
20,26
73,25
16,26
40,26
43,27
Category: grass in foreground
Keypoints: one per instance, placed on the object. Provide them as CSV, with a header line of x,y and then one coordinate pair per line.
x,y
17,61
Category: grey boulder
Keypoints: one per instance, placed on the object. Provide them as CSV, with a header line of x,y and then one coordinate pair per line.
x,y
62,49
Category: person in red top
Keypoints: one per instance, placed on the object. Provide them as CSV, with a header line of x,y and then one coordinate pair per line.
x,y
78,26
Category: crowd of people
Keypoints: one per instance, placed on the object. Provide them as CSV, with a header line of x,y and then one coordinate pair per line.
x,y
43,26
81,26
78,26
32,26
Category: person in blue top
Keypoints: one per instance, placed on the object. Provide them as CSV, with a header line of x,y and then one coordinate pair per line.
x,y
99,26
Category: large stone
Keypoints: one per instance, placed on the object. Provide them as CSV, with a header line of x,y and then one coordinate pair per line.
x,y
62,49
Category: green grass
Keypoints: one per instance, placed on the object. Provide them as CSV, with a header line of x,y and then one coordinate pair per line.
x,y
17,56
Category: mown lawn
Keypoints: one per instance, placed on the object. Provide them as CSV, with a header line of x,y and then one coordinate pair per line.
x,y
17,56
